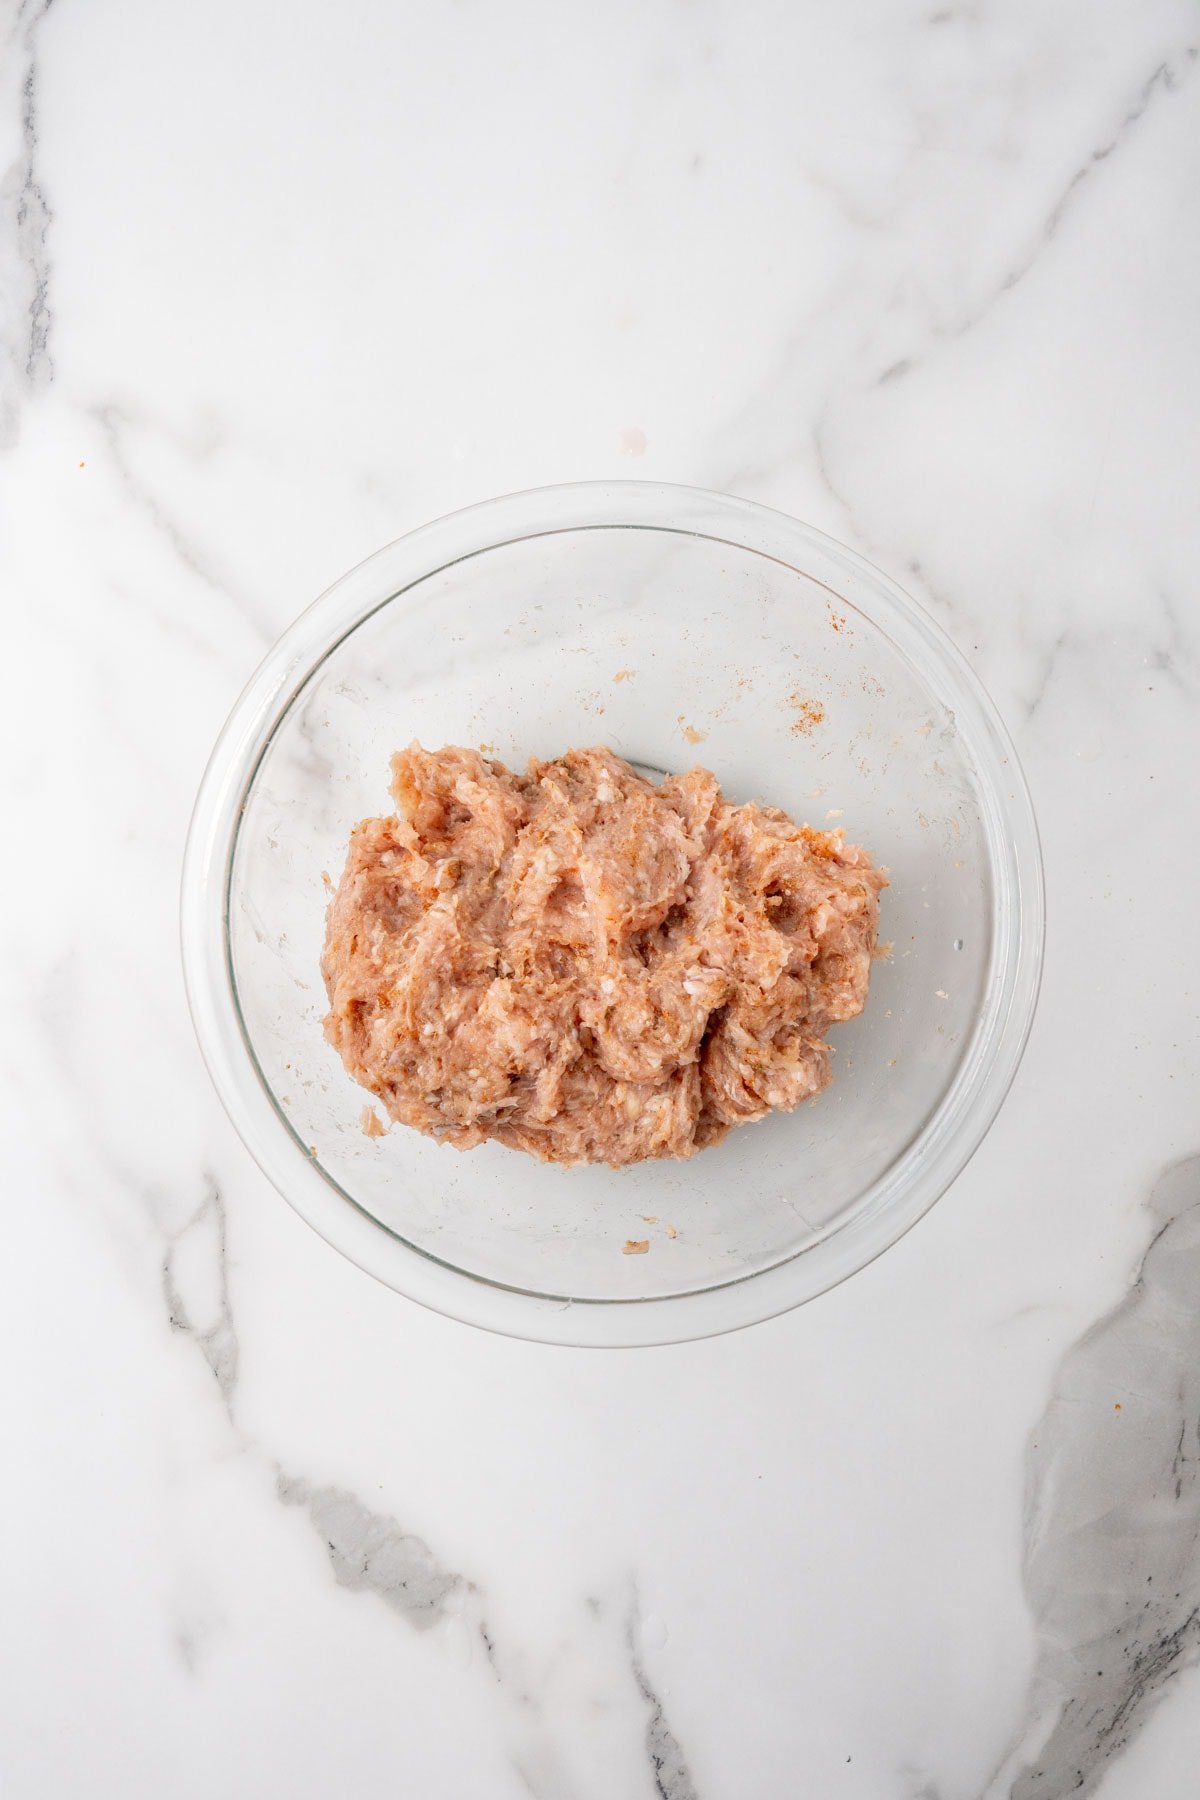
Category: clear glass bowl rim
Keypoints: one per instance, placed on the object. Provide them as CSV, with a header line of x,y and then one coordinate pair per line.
x,y
907,1189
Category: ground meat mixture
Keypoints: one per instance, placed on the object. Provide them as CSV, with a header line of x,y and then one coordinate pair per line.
x,y
582,965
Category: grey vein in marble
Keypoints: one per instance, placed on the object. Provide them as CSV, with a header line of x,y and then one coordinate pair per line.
x,y
1112,1564
672,1779
1176,656
372,1553
1171,653
196,1289
116,426
1048,664
918,1786
25,320
1167,77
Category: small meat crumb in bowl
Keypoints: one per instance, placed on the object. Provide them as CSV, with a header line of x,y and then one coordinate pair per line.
x,y
372,1125
578,994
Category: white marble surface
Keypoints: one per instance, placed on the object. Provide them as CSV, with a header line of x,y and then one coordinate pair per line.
x,y
281,281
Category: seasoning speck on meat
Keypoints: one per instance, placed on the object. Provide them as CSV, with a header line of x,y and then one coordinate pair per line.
x,y
584,966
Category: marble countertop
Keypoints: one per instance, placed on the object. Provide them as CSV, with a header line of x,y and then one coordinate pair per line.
x,y
280,282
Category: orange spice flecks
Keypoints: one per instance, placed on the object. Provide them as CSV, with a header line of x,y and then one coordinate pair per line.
x,y
809,714
825,844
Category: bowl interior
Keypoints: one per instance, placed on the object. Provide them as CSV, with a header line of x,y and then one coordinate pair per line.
x,y
674,648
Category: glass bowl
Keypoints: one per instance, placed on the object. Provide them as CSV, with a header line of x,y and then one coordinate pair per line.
x,y
678,627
